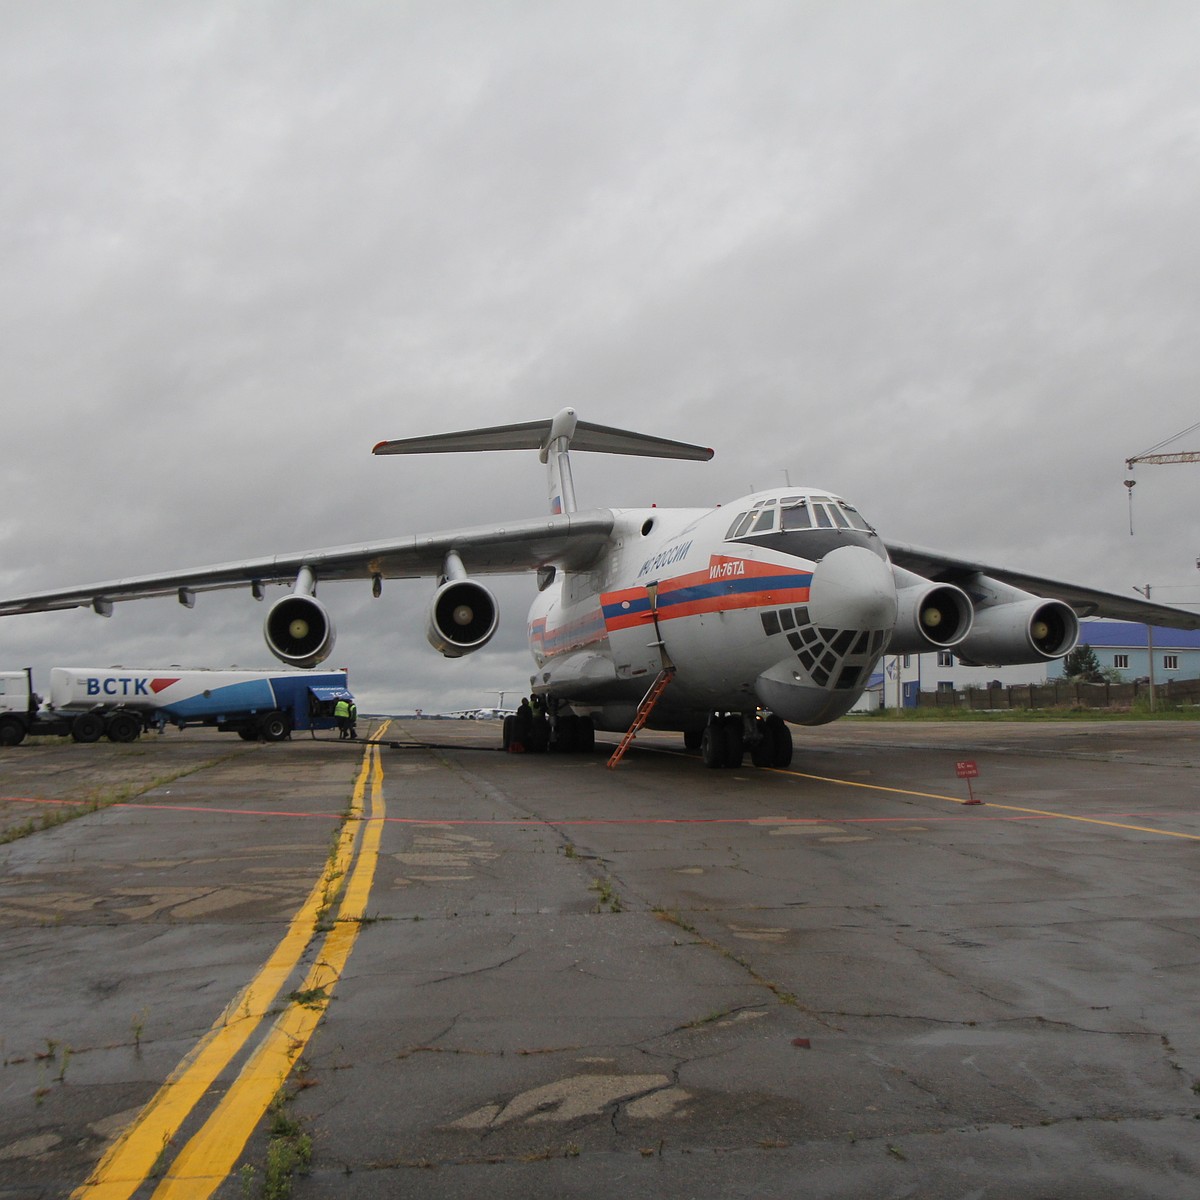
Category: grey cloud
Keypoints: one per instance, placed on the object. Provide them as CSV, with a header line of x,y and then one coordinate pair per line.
x,y
939,257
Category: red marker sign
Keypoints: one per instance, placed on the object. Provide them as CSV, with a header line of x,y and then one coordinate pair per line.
x,y
968,770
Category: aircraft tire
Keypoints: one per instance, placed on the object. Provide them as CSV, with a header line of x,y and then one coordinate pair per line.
x,y
762,751
781,742
692,739
539,736
87,727
585,736
712,746
563,738
123,728
275,726
731,732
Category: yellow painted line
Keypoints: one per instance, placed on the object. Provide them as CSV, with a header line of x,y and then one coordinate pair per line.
x,y
873,787
1036,812
135,1154
209,1157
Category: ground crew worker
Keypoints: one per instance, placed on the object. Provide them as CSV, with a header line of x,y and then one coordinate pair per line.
x,y
539,733
522,728
353,719
341,713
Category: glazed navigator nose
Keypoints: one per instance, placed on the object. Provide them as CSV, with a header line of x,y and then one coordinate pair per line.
x,y
852,588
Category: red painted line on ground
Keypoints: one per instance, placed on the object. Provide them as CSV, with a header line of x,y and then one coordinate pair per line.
x,y
980,815
195,808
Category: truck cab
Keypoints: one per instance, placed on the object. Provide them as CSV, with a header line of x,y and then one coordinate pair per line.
x,y
18,707
16,693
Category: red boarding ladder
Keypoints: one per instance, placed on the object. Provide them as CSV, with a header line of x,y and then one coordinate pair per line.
x,y
649,700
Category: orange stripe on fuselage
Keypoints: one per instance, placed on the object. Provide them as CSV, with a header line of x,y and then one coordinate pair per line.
x,y
726,584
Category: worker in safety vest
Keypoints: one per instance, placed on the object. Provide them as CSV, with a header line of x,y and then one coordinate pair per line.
x,y
341,713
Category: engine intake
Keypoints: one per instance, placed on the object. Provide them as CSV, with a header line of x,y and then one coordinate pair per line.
x,y
299,631
930,616
1021,631
462,618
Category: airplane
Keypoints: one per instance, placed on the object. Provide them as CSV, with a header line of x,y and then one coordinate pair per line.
x,y
481,714
726,623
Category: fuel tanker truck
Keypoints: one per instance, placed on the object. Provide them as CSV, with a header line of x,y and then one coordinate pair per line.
x,y
88,703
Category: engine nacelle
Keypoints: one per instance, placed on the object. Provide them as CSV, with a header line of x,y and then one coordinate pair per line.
x,y
1020,631
462,618
299,631
929,616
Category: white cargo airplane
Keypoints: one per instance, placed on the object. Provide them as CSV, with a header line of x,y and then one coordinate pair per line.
x,y
722,622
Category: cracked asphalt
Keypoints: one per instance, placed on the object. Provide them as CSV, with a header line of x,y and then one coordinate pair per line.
x,y
836,981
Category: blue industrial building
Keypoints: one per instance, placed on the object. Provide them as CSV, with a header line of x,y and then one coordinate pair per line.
x,y
1119,645
1123,645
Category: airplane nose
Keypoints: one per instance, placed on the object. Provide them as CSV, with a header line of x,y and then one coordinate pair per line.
x,y
852,588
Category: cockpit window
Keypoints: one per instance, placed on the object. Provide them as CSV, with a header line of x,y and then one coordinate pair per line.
x,y
855,519
797,517
793,513
744,524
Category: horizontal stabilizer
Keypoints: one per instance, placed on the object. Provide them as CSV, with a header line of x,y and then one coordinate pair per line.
x,y
537,435
605,440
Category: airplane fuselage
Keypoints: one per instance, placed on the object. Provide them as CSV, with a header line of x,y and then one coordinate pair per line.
x,y
784,600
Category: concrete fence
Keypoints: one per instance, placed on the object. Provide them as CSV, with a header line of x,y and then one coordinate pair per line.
x,y
1064,694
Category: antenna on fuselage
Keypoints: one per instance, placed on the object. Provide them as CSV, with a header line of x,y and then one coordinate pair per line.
x,y
553,439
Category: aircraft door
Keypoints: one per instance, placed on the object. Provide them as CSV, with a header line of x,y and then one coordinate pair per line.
x,y
638,647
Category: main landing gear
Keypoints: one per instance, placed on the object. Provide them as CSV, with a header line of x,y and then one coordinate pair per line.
x,y
564,734
725,739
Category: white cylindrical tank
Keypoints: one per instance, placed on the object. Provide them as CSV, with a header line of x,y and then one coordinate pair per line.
x,y
153,688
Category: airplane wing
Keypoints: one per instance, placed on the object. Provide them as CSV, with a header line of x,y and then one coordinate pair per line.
x,y
571,539
1087,602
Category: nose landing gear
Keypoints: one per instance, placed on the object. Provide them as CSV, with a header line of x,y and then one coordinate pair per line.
x,y
726,738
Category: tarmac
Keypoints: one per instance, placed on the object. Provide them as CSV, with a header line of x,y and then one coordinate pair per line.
x,y
426,968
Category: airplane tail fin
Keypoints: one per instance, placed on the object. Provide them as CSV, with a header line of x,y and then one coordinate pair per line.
x,y
553,439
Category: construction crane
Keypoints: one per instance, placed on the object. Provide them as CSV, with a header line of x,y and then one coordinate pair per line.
x,y
1153,456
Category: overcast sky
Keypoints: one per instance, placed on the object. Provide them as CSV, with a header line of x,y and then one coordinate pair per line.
x,y
941,258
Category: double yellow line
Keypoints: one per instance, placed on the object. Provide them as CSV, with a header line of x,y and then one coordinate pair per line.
x,y
145,1149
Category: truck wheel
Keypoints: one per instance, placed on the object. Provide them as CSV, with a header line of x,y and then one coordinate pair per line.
x,y
87,727
12,733
248,735
275,726
124,728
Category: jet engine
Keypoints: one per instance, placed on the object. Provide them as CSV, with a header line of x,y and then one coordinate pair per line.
x,y
929,616
1015,626
462,618
299,631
